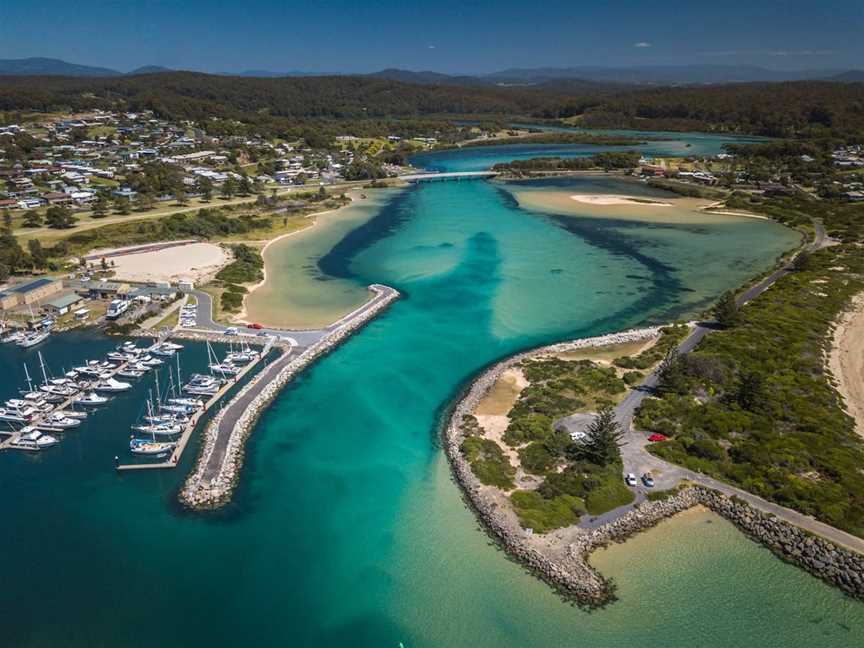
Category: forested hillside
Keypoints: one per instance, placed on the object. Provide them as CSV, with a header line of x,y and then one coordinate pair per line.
x,y
776,109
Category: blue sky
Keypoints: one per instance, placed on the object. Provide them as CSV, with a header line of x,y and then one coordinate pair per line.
x,y
467,36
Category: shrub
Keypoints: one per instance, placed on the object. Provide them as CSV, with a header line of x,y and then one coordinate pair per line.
x,y
544,515
488,462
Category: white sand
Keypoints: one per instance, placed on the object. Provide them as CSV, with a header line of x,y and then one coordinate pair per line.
x,y
616,199
847,360
197,261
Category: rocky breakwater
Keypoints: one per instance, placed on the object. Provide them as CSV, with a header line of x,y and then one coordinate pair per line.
x,y
566,571
217,470
562,562
834,564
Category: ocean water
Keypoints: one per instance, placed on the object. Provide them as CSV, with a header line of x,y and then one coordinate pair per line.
x,y
346,528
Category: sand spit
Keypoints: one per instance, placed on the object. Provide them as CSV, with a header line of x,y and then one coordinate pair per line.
x,y
846,360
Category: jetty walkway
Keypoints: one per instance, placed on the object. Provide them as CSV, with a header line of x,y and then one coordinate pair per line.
x,y
211,483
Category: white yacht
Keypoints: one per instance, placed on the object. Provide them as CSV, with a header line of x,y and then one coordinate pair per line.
x,y
57,422
33,440
34,338
12,416
151,448
130,372
91,399
112,385
12,336
225,368
159,429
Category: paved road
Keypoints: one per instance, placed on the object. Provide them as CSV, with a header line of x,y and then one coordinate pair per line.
x,y
206,322
236,407
638,460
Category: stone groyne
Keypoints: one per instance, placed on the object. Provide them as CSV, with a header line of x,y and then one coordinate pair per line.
x,y
563,564
208,487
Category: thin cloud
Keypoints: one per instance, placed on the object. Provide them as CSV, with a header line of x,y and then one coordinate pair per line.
x,y
430,47
800,52
721,53
642,44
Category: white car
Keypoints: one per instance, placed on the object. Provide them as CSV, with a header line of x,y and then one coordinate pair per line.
x,y
630,479
232,330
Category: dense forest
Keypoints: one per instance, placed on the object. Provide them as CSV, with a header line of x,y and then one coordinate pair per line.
x,y
776,109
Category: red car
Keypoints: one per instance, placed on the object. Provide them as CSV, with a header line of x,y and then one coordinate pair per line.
x,y
658,437
255,326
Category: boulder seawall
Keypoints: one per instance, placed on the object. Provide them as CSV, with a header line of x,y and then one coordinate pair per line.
x,y
208,487
566,567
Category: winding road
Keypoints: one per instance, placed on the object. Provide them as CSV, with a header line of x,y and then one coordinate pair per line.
x,y
638,460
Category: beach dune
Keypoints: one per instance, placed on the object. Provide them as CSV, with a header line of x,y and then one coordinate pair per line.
x,y
197,261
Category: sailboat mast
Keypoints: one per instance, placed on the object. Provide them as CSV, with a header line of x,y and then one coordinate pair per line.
x,y
42,365
29,381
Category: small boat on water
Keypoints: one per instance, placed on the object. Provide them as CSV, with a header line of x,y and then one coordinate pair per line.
x,y
19,404
224,368
33,440
56,422
111,385
163,351
185,410
130,373
173,346
150,361
159,429
120,357
72,414
150,448
59,387
91,399
32,339
12,415
12,336
166,419
188,402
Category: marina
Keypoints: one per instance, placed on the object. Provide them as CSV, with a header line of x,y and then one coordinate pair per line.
x,y
192,422
30,422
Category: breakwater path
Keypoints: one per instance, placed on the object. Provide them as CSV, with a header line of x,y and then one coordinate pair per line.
x,y
217,470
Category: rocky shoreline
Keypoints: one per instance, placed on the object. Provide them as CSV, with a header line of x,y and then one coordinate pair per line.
x,y
200,493
566,568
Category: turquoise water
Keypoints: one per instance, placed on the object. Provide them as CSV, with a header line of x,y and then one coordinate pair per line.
x,y
346,528
479,158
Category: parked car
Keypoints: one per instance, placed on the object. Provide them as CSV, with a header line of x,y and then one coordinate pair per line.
x,y
630,479
232,330
648,480
255,326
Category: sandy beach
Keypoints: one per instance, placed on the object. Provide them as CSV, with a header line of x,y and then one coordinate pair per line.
x,y
292,295
197,261
243,317
846,360
679,210
615,199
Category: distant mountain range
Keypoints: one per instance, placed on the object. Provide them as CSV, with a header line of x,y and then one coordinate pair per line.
x,y
570,76
49,66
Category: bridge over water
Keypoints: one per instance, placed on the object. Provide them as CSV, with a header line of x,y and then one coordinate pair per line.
x,y
452,175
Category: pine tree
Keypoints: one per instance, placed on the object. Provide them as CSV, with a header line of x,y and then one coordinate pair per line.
x,y
602,442
726,311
